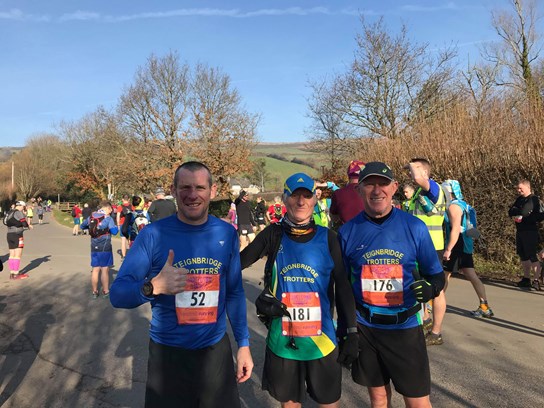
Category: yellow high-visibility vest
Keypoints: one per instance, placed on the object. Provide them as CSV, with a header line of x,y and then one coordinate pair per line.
x,y
431,214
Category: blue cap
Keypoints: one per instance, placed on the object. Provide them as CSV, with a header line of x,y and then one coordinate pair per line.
x,y
299,180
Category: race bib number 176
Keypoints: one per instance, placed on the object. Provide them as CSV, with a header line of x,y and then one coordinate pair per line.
x,y
382,285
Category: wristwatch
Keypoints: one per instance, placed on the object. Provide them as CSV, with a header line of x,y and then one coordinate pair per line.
x,y
147,289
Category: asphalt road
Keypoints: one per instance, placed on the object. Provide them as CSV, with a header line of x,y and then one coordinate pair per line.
x,y
61,348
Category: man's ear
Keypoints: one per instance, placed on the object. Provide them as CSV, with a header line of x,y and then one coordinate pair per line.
x,y
213,191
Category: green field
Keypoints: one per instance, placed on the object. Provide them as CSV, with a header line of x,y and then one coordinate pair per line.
x,y
279,170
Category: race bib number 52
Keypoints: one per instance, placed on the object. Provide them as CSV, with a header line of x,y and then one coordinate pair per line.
x,y
382,285
198,303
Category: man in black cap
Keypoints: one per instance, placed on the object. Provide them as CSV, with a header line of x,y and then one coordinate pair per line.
x,y
161,207
393,268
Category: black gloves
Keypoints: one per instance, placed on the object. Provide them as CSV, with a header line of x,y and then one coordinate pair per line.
x,y
423,290
349,349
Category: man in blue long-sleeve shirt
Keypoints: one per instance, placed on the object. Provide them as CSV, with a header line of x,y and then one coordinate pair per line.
x,y
188,266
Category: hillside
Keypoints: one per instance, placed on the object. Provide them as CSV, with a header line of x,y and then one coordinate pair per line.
x,y
284,159
7,152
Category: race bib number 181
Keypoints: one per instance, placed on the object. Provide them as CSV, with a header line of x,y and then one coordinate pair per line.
x,y
198,303
305,310
382,285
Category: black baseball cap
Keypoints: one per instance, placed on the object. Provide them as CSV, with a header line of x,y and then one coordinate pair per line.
x,y
376,169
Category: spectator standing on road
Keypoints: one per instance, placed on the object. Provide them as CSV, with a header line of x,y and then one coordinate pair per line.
x,y
393,268
246,221
39,212
525,213
161,207
76,214
232,217
29,213
460,245
428,203
260,211
86,213
188,267
122,210
135,221
276,211
101,227
16,222
302,354
346,202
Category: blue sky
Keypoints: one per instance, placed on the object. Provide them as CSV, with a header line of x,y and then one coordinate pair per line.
x,y
63,59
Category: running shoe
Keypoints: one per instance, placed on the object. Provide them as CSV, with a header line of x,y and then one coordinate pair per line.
x,y
432,339
482,313
524,283
105,294
18,276
536,284
427,325
95,295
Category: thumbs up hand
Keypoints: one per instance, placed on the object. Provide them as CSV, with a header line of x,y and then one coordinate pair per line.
x,y
170,280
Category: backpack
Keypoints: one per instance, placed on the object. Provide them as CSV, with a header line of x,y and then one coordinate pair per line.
x,y
267,305
74,212
277,211
125,210
94,230
139,221
9,219
471,222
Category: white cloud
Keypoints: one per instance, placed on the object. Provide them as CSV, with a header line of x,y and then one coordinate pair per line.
x,y
440,7
85,15
18,15
81,16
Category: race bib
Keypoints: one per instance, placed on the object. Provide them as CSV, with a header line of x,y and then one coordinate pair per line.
x,y
305,310
197,304
382,285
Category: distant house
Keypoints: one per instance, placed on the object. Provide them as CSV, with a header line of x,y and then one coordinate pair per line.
x,y
236,188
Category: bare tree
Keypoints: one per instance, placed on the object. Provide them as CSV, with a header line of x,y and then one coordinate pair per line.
x,y
94,143
479,86
41,166
222,132
329,133
259,175
519,47
390,82
154,112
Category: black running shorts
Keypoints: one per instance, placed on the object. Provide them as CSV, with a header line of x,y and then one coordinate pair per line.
x,y
245,230
203,378
287,380
527,245
398,355
15,240
458,259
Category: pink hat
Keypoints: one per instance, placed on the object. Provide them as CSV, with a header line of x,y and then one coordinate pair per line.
x,y
354,168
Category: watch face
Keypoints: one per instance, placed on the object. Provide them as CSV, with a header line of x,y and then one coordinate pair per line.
x,y
147,289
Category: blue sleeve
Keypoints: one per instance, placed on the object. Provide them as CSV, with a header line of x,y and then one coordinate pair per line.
x,y
125,291
434,191
235,296
114,229
332,186
85,223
